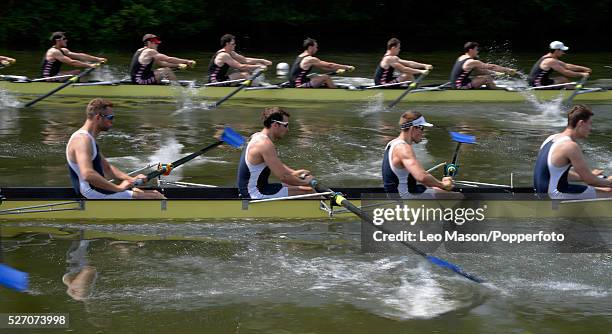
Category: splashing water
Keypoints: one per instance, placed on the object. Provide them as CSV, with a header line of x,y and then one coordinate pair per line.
x,y
8,100
375,105
108,73
550,112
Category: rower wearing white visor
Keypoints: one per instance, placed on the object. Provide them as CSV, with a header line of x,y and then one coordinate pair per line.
x,y
560,160
259,159
402,173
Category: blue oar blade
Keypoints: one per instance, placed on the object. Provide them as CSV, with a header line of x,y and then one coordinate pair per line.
x,y
232,137
462,138
453,267
13,278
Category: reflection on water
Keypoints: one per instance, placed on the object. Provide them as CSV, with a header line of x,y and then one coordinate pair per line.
x,y
298,276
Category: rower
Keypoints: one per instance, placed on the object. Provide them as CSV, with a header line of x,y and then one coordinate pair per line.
x,y
468,63
58,54
402,173
259,158
560,160
141,67
543,68
390,62
89,168
303,64
227,58
6,61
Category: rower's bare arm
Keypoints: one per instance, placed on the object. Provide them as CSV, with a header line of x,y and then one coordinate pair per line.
x,y
416,65
279,169
86,57
81,146
564,70
327,66
251,61
233,63
578,68
574,153
479,65
9,59
113,172
414,167
168,61
405,69
67,60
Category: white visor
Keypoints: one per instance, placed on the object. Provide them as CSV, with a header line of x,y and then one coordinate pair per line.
x,y
417,122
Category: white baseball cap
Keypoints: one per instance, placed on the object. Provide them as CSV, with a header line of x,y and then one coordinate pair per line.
x,y
556,45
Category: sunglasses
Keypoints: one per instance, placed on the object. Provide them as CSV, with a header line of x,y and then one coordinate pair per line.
x,y
109,117
285,124
420,127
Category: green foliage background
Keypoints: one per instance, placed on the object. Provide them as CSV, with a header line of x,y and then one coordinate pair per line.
x,y
268,25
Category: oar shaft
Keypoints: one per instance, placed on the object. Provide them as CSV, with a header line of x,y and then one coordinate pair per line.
x,y
244,85
183,160
69,82
410,88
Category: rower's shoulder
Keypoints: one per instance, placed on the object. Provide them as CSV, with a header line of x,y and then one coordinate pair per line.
x,y
55,51
149,51
403,150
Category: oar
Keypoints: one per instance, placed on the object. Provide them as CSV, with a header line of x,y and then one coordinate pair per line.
x,y
10,277
410,88
243,85
340,200
229,136
66,84
452,168
577,89
222,82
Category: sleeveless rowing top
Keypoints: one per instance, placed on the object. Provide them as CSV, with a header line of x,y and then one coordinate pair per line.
x,y
550,179
383,76
398,180
538,76
217,73
141,74
81,186
297,75
252,179
459,77
50,68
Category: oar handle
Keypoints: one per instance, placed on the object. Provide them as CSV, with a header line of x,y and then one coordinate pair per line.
x,y
165,169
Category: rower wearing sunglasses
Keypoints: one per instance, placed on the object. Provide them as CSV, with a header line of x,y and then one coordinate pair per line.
x,y
59,53
402,172
259,159
89,169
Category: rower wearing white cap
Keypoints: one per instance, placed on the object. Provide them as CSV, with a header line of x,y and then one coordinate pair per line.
x,y
402,172
543,68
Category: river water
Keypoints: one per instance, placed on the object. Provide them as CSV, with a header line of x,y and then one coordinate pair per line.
x,y
291,276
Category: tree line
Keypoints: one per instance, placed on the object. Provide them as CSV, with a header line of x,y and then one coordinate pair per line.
x,y
266,25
